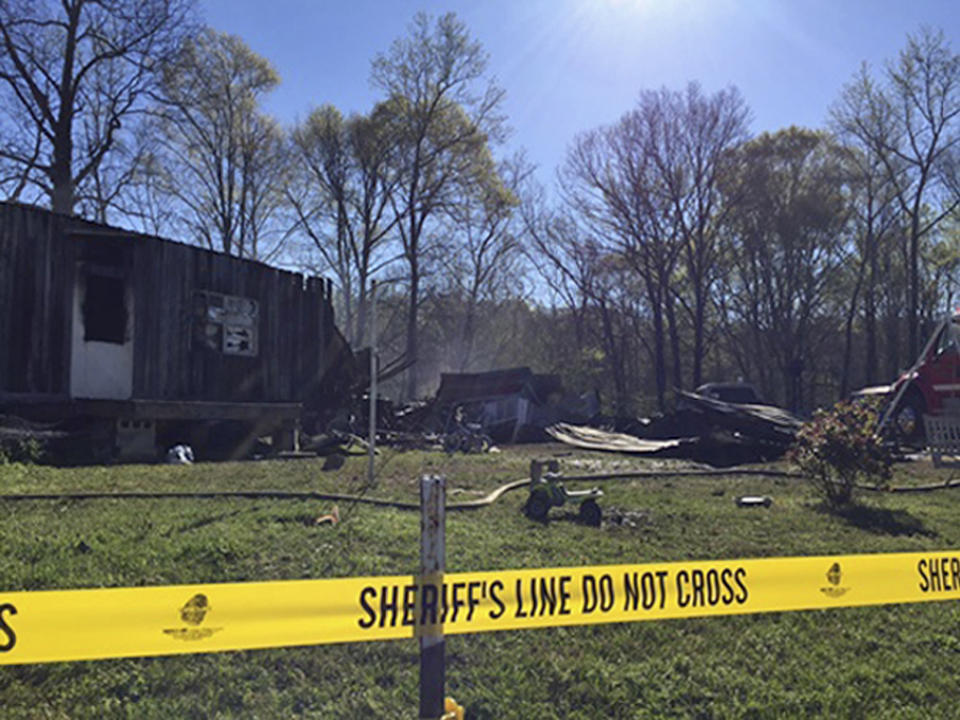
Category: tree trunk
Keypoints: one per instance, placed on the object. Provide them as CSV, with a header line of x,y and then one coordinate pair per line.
x,y
848,324
467,335
362,301
61,177
659,352
699,321
913,316
677,379
893,344
615,360
848,342
870,320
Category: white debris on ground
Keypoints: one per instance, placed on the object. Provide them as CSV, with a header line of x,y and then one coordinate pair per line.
x,y
180,455
625,518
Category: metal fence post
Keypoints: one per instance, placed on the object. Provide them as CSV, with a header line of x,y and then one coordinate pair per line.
x,y
372,447
432,562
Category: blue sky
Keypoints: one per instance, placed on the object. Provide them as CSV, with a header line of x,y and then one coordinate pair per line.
x,y
572,65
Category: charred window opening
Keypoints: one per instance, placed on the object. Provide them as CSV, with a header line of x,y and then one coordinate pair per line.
x,y
105,309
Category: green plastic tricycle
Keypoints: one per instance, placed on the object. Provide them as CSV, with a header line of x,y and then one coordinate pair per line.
x,y
546,491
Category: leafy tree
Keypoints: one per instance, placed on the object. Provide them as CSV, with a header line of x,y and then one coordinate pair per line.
x,y
441,129
222,158
341,194
787,232
74,74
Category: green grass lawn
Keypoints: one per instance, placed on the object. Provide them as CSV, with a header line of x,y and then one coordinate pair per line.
x,y
886,662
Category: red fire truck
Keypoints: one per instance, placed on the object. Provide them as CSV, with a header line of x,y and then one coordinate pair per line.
x,y
931,386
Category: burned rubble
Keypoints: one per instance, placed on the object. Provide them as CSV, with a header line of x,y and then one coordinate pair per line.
x,y
721,425
702,428
473,412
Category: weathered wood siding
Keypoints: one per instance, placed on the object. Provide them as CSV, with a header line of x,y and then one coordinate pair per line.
x,y
36,293
38,257
294,319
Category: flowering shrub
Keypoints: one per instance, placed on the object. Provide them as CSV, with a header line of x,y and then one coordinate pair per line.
x,y
840,447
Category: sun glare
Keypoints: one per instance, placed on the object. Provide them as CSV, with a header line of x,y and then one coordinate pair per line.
x,y
646,7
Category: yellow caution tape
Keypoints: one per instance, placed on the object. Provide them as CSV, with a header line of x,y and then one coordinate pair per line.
x,y
58,625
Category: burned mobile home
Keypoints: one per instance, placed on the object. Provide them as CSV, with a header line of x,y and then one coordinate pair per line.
x,y
140,341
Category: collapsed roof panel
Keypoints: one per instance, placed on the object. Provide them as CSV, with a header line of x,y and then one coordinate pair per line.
x,y
593,439
466,387
763,422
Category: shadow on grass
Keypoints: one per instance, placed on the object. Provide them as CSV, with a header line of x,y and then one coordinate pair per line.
x,y
203,522
881,521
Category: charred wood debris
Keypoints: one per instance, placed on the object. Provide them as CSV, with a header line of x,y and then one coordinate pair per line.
x,y
720,425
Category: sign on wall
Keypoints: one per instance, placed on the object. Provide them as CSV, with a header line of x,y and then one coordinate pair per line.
x,y
226,323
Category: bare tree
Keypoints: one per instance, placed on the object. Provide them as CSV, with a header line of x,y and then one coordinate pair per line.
x,y
611,182
690,139
876,228
564,259
103,194
597,291
910,120
73,73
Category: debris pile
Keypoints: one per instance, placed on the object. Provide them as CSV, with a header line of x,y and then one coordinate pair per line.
x,y
704,429
473,412
722,424
512,405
